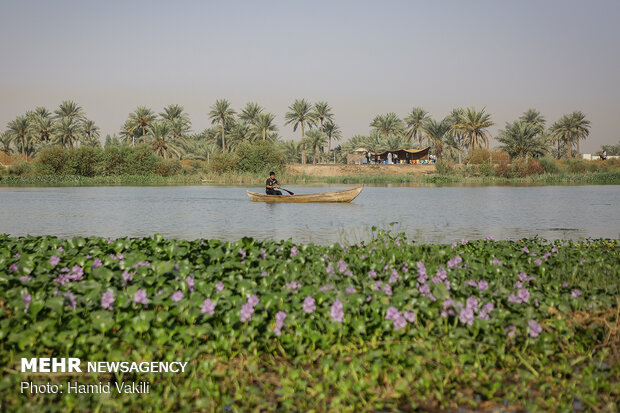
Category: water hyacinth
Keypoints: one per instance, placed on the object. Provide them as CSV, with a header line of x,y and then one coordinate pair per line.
x,y
467,316
293,285
524,295
264,274
575,293
208,307
409,316
496,261
337,311
13,267
372,274
422,276
97,263
280,317
127,276
25,278
72,300
387,288
534,328
454,262
483,285
262,254
219,286
330,270
139,297
294,252
27,299
246,312
327,287
351,290
309,305
177,296
538,261
54,260
242,253
253,300
342,266
190,284
107,300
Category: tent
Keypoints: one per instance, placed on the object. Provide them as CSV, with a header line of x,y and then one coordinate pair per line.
x,y
404,155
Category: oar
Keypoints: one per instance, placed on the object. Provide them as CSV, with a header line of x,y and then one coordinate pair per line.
x,y
287,191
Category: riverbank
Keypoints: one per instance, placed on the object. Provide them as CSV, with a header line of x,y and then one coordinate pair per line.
x,y
384,325
344,176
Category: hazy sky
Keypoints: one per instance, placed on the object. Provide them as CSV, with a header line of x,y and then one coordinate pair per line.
x,y
362,57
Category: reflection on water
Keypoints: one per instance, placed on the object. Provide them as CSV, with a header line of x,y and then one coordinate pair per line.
x,y
426,214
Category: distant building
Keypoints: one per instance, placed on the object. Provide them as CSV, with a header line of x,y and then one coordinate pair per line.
x,y
597,156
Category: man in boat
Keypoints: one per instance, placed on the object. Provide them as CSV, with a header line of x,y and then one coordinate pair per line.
x,y
271,184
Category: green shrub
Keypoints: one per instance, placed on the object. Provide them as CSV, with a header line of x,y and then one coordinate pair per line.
x,y
115,160
52,161
168,167
259,157
21,168
143,160
576,166
85,160
486,169
444,167
549,166
223,162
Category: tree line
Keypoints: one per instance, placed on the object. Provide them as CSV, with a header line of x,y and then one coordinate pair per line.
x,y
169,132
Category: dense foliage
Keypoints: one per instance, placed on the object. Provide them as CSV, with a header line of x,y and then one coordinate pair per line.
x,y
383,325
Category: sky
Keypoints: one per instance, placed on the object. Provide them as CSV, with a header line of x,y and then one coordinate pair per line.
x,y
362,57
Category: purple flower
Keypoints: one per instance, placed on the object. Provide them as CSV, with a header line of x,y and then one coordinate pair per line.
x,y
376,286
110,240
496,261
158,293
25,278
522,276
525,250
472,302
422,277
327,287
554,249
97,263
453,262
242,253
490,238
399,321
518,284
575,293
294,252
351,290
410,316
547,255
348,273
246,312
564,284
280,316
448,302
524,295
309,305
13,267
582,260
337,311
538,261
387,289
107,300
391,313
17,255
342,266
60,249
293,285
483,285
72,300
454,244
219,286
472,283
510,331
483,315
127,276
208,307
262,253
54,260
330,270
253,300
190,283
177,296
139,297
514,299
464,241
488,307
535,328
467,316
27,299
372,274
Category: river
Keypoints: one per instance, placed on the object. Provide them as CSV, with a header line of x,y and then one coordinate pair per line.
x,y
426,214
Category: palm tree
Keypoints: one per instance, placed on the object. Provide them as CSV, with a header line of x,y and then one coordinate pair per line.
x,y
301,114
67,131
69,109
264,125
91,131
474,123
315,139
160,134
388,124
580,126
41,126
238,133
534,118
414,122
436,132
177,119
333,132
41,111
6,139
20,132
250,113
456,141
140,120
292,151
522,139
323,113
221,113
561,132
127,132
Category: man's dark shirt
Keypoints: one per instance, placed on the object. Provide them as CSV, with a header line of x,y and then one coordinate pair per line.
x,y
271,182
272,191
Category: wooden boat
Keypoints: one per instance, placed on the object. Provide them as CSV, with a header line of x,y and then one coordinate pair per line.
x,y
346,195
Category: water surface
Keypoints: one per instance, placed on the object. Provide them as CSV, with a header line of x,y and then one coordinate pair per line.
x,y
426,214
